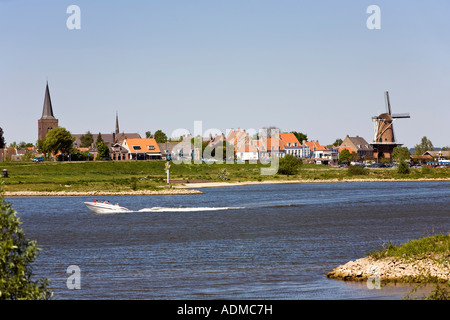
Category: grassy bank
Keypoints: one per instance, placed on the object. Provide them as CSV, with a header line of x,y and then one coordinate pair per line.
x,y
150,175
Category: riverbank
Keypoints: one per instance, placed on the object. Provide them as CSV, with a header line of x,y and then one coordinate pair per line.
x,y
149,177
423,260
391,269
244,183
100,193
191,187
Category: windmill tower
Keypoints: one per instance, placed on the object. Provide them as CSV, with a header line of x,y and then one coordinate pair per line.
x,y
384,139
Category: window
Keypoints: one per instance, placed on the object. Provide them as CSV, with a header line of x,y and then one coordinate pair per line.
x,y
151,147
137,147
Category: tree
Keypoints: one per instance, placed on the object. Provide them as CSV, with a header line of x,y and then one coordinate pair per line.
x,y
345,156
103,150
423,146
160,136
338,142
300,136
99,138
16,255
289,165
2,139
87,140
148,134
403,167
400,154
58,140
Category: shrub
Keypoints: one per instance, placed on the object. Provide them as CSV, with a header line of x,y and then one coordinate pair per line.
x,y
356,170
16,255
289,165
403,168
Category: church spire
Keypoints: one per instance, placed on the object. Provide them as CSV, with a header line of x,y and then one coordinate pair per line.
x,y
47,112
117,123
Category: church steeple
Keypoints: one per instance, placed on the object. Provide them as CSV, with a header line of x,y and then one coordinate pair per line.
x,y
47,112
48,120
117,124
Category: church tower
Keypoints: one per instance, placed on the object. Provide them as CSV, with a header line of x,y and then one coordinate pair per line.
x,y
48,120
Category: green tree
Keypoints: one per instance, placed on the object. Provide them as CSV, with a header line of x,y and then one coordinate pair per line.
x,y
345,156
400,154
2,139
148,134
16,255
338,142
300,136
160,136
58,140
289,165
103,150
87,140
403,167
99,138
423,146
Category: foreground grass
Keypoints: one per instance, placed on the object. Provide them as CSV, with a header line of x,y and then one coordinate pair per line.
x,y
435,247
148,175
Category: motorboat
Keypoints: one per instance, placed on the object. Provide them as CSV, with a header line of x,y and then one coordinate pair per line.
x,y
101,207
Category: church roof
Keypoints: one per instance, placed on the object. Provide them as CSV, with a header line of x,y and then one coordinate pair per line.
x,y
47,112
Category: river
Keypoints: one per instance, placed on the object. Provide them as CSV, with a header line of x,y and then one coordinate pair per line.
x,y
243,242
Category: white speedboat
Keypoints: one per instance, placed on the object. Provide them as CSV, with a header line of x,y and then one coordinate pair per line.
x,y
99,207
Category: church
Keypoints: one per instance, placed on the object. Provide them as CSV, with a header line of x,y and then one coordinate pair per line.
x,y
113,140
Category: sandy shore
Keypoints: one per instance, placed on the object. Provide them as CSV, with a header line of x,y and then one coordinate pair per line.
x,y
390,269
244,183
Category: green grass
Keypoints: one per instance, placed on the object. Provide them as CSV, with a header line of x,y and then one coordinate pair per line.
x,y
138,175
434,247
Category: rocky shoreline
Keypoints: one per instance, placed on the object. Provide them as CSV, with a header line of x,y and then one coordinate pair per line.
x,y
391,269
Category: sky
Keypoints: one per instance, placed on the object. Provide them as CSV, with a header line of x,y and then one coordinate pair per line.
x,y
308,66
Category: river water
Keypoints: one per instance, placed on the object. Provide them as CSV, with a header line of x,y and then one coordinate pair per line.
x,y
247,242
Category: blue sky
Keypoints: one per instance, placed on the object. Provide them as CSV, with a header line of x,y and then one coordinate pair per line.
x,y
308,66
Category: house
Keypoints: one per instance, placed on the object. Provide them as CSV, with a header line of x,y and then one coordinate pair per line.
x,y
269,147
182,150
322,154
247,153
293,147
360,146
142,149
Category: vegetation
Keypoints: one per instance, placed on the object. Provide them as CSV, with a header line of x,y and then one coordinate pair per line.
x,y
417,249
300,136
400,154
435,247
289,165
160,136
57,140
86,140
403,167
2,139
16,255
357,170
423,146
116,175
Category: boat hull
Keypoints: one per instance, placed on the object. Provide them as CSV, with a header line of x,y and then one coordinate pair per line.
x,y
105,208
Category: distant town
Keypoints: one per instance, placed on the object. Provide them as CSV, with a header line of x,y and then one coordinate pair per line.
x,y
238,145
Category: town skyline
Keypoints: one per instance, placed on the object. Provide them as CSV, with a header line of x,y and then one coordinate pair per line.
x,y
311,68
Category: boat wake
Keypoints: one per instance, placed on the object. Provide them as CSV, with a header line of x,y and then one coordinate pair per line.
x,y
187,209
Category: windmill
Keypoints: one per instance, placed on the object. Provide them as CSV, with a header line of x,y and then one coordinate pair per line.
x,y
384,139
